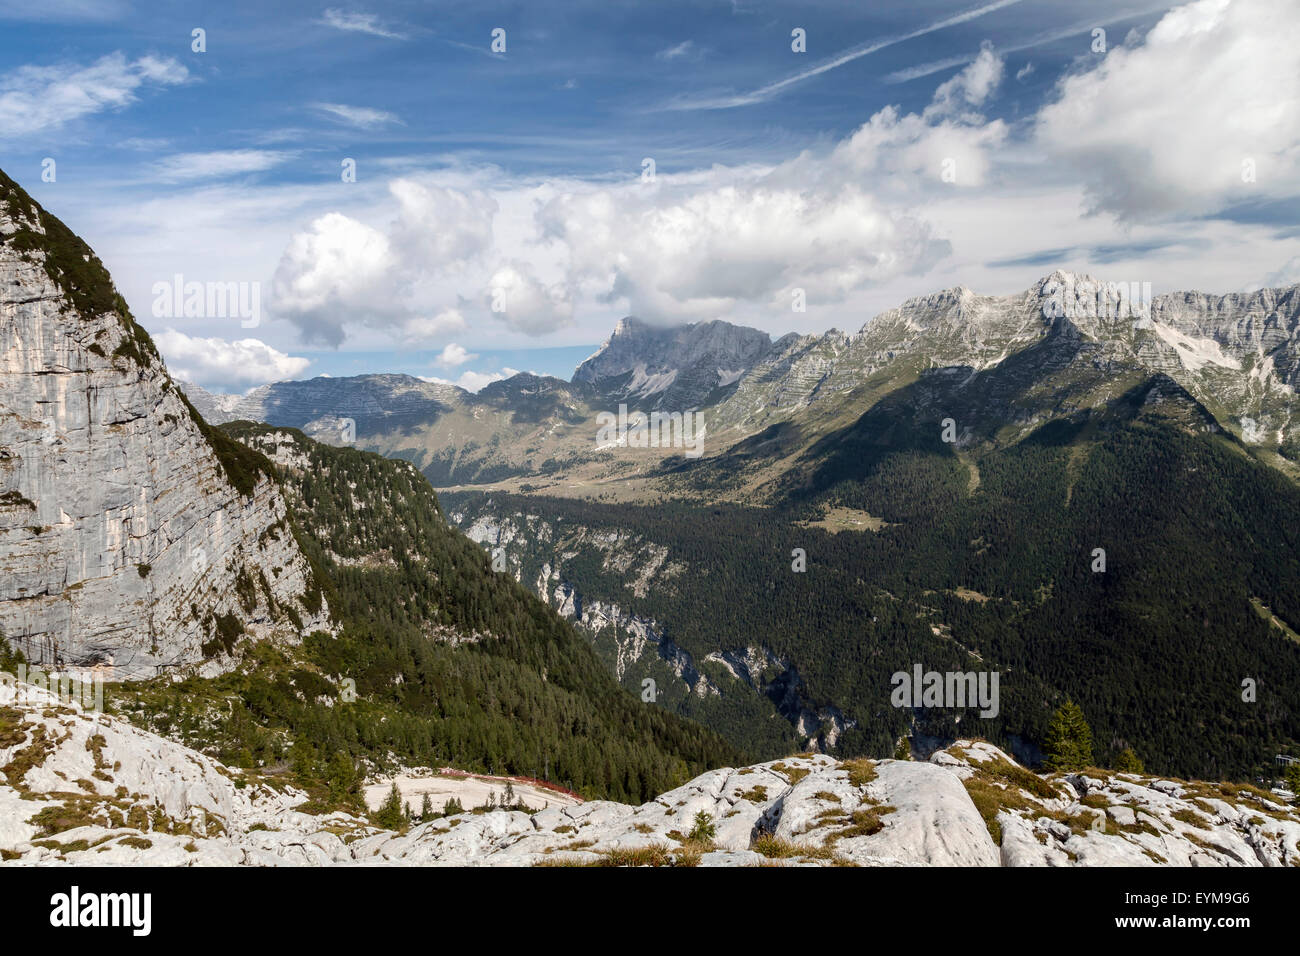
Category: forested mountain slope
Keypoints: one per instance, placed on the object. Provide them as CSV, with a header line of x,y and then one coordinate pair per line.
x,y
438,661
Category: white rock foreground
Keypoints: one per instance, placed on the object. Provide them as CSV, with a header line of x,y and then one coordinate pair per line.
x,y
86,788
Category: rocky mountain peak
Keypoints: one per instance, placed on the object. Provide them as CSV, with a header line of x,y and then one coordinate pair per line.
x,y
678,366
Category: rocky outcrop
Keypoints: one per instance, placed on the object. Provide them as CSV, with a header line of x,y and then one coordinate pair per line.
x,y
132,537
83,788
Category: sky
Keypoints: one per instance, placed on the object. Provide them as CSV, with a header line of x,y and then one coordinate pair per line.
x,y
462,191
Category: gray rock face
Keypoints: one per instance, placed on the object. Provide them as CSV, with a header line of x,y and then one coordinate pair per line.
x,y
122,538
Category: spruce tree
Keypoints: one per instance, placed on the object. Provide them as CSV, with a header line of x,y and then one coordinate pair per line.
x,y
391,815
1068,744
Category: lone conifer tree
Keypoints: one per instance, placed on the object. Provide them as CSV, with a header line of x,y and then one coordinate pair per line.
x,y
391,815
1068,744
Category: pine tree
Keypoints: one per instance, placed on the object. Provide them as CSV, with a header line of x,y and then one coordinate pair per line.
x,y
704,829
903,751
426,809
1068,744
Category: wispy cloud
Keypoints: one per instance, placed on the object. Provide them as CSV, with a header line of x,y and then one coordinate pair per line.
x,y
764,93
362,117
357,22
1041,39
34,98
685,48
188,167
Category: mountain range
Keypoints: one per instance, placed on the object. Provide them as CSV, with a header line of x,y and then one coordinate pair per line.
x,y
954,471
1079,492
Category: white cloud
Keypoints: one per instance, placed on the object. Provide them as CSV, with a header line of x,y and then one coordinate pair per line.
x,y
216,362
422,328
668,54
362,117
35,98
526,304
1164,126
356,22
439,228
188,167
970,88
1285,277
473,381
453,355
334,271
343,271
697,246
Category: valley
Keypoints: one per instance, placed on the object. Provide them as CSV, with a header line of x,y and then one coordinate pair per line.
x,y
948,477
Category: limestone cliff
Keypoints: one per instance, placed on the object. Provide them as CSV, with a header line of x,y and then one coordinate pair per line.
x,y
133,537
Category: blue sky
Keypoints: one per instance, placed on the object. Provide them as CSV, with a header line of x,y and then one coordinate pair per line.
x,y
502,217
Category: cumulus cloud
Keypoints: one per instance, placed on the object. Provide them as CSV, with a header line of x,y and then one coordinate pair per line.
x,y
526,304
34,98
694,252
970,88
342,271
1173,123
219,363
439,228
694,247
453,355
333,271
421,328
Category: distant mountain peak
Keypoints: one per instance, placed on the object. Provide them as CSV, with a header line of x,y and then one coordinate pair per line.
x,y
672,366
